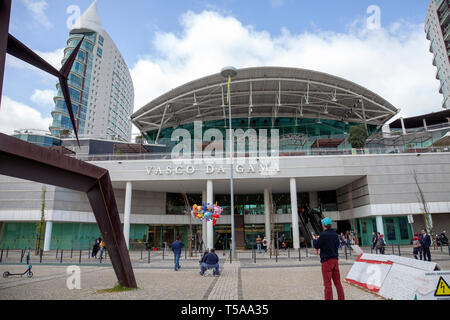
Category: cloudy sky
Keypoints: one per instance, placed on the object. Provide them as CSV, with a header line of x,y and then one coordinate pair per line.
x,y
169,42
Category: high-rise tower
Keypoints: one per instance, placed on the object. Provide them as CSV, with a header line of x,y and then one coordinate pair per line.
x,y
437,28
100,85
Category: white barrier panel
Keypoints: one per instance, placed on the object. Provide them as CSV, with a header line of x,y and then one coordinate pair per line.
x,y
436,288
369,272
392,277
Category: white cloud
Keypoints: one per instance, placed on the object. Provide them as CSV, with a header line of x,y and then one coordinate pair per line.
x,y
16,115
393,61
43,98
52,57
37,9
276,3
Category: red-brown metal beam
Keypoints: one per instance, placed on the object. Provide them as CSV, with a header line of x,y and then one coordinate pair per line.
x,y
5,12
24,160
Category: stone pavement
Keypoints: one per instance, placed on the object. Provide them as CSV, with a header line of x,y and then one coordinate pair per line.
x,y
286,279
226,287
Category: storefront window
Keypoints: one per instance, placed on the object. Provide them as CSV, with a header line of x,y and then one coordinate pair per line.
x,y
403,225
390,229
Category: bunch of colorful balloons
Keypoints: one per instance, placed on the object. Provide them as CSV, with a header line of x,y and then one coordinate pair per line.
x,y
207,212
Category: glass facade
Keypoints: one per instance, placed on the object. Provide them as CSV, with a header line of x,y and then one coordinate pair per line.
x,y
79,85
294,134
397,230
39,140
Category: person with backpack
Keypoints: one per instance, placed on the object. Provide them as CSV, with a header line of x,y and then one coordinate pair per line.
x,y
265,243
417,247
381,244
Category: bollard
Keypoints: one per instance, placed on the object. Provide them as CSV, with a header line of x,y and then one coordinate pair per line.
x,y
148,258
399,251
307,251
254,256
231,259
89,253
61,256
106,254
7,251
371,250
79,259
57,249
276,255
270,251
163,252
345,250
299,254
442,248
71,252
21,256
447,246
393,249
101,258
141,253
350,251
289,253
1,256
40,255
185,253
28,257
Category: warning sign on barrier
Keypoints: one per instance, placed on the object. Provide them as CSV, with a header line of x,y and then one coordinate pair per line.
x,y
438,288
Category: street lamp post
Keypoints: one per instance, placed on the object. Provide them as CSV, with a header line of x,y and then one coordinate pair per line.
x,y
228,73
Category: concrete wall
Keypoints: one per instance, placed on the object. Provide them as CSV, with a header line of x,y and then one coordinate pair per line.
x,y
355,194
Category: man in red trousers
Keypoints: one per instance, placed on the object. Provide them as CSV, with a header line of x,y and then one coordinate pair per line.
x,y
328,243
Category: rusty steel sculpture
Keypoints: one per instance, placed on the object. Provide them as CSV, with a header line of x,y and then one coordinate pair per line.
x,y
20,159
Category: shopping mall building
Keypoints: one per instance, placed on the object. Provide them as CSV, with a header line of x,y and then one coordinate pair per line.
x,y
292,164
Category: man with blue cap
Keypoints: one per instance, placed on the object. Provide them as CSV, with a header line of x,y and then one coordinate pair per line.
x,y
328,243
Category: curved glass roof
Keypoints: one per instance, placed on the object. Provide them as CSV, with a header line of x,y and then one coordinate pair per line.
x,y
275,92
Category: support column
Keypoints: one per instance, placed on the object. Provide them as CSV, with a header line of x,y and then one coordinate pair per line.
x,y
267,211
204,227
210,199
403,126
48,235
380,227
127,213
294,210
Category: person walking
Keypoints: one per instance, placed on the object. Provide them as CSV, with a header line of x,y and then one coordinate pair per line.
x,y
374,240
265,243
102,247
211,260
425,242
258,243
328,243
417,247
95,248
176,248
381,244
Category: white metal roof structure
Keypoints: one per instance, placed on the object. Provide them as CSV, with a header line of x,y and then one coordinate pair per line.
x,y
275,92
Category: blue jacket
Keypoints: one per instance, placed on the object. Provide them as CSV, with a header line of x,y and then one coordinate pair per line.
x,y
176,246
211,258
425,241
328,243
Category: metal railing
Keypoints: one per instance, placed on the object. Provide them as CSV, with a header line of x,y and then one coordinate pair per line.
x,y
284,153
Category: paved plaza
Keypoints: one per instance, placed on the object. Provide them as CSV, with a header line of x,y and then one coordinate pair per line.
x,y
285,278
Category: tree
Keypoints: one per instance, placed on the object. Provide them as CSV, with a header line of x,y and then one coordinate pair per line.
x,y
425,210
358,136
